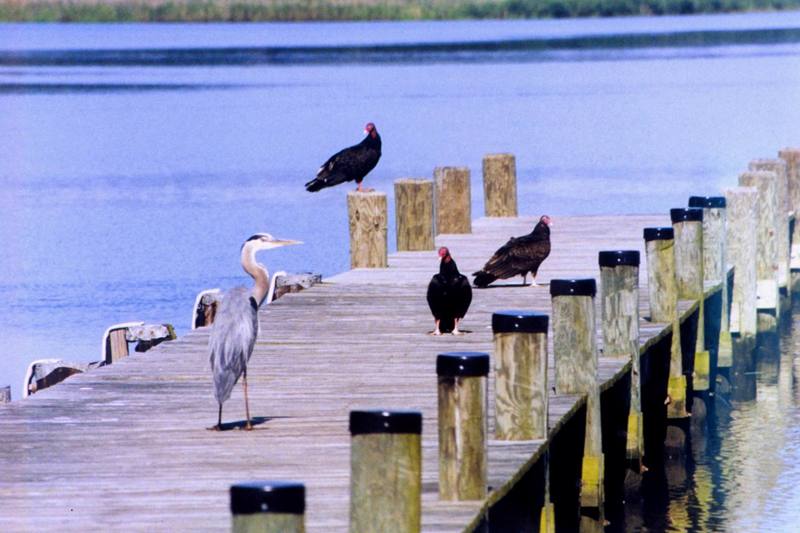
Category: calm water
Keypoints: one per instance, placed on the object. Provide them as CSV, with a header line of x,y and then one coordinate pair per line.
x,y
136,158
741,473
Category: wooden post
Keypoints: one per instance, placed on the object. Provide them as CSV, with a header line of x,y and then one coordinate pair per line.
x,y
413,200
663,289
500,185
741,243
767,252
462,425
715,261
5,394
268,507
116,345
367,215
385,471
575,354
792,158
778,166
520,348
687,223
619,280
453,201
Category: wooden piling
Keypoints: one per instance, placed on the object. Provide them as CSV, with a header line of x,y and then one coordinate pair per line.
x,y
452,199
715,261
575,354
367,215
663,289
463,425
268,507
413,198
767,251
687,223
500,185
385,471
778,166
792,158
116,345
520,352
619,281
741,243
5,394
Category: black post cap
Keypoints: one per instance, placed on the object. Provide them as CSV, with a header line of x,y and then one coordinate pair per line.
x,y
619,258
462,364
573,287
658,234
381,421
686,214
710,202
268,497
515,321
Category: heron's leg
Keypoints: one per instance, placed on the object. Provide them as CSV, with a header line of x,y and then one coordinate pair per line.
x,y
436,330
246,403
219,419
524,278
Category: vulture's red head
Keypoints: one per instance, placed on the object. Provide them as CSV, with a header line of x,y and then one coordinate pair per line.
x,y
545,220
444,253
370,130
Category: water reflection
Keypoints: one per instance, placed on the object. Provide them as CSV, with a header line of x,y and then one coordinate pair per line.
x,y
739,471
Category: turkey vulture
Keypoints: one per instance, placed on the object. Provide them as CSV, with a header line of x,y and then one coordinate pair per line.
x,y
349,164
518,256
449,295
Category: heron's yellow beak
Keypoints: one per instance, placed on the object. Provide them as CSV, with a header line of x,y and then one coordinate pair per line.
x,y
287,242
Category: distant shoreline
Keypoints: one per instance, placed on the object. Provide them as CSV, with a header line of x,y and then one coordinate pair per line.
x,y
360,10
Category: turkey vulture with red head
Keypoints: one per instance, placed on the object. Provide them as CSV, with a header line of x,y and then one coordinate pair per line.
x,y
349,164
449,295
518,256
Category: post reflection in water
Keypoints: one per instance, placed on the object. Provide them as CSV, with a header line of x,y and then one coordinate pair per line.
x,y
740,466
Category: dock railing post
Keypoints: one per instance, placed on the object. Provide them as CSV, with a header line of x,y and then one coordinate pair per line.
x,y
452,200
778,166
792,158
520,354
413,198
268,506
385,471
500,185
462,393
741,242
663,290
5,394
767,302
368,219
687,223
619,282
715,264
575,355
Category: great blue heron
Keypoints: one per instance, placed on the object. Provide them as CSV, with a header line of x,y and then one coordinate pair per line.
x,y
235,327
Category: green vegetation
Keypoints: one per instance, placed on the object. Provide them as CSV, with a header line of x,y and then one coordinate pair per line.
x,y
297,10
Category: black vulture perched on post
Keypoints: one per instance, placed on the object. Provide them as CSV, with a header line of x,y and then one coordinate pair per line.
x,y
449,295
518,256
350,164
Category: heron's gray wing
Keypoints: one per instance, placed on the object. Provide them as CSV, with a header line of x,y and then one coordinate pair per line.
x,y
233,336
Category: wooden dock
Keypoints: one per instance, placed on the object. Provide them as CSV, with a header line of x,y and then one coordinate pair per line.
x,y
125,447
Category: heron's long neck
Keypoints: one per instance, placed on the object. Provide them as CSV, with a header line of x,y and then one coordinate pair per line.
x,y
259,273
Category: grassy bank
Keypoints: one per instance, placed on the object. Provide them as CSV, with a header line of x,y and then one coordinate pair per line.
x,y
289,10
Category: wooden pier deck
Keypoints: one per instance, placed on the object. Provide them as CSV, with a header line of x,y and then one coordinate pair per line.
x,y
125,447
